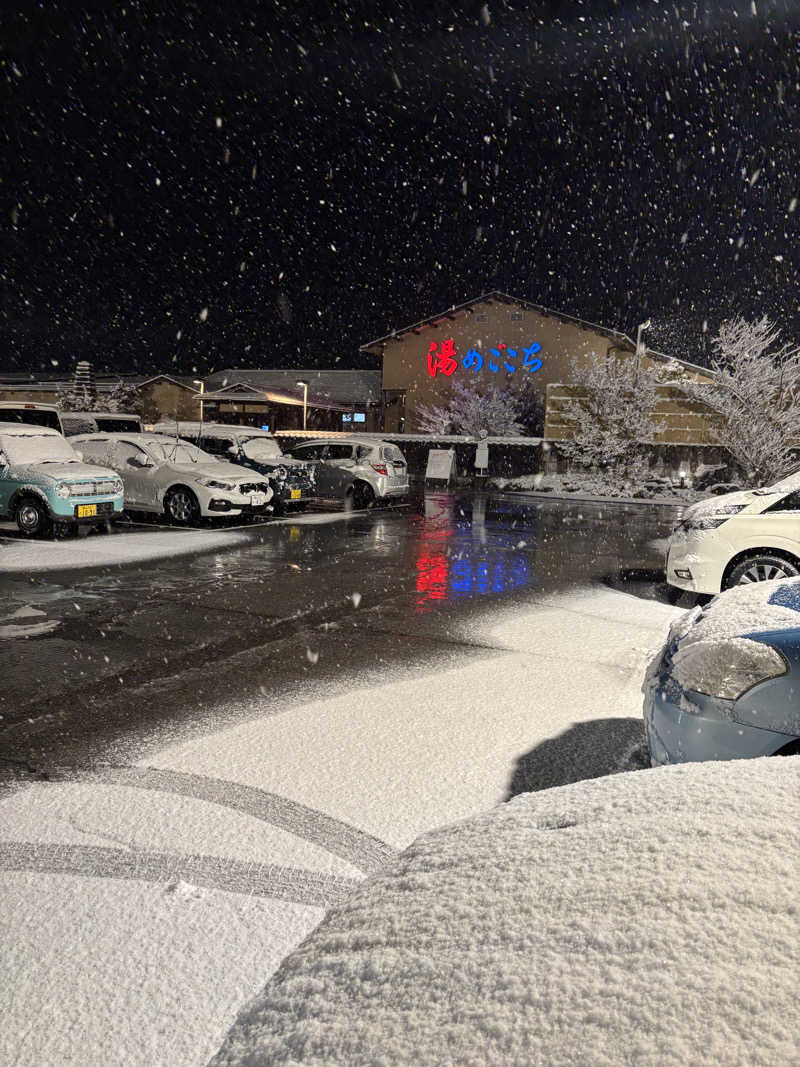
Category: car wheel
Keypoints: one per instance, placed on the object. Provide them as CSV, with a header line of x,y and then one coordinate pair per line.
x,y
181,506
33,518
761,567
361,495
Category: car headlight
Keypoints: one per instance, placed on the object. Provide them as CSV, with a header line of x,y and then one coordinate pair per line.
x,y
726,669
709,522
117,486
62,490
211,483
280,474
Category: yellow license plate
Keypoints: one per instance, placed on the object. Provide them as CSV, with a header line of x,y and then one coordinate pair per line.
x,y
296,494
85,511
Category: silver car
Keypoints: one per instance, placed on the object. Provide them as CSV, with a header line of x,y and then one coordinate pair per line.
x,y
163,475
357,470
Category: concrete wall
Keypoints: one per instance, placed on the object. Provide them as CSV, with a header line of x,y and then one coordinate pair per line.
x,y
683,421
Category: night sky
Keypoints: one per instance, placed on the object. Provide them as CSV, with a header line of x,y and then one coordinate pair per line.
x,y
188,186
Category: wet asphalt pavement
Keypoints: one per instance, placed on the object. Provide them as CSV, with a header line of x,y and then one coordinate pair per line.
x,y
102,666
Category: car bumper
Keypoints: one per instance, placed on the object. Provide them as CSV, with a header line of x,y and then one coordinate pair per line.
x,y
75,509
689,567
286,497
675,735
218,502
384,489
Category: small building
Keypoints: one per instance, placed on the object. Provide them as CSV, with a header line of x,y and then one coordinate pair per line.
x,y
167,396
333,400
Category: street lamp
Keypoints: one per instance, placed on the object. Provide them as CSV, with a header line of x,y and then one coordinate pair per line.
x,y
196,381
640,348
305,400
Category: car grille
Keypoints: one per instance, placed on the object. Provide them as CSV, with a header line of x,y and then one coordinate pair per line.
x,y
254,487
91,488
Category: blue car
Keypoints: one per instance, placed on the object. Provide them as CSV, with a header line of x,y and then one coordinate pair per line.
x,y
727,683
45,485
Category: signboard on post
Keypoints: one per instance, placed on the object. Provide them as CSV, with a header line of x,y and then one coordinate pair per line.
x,y
482,457
440,464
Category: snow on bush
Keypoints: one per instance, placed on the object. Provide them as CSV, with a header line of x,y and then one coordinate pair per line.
x,y
642,918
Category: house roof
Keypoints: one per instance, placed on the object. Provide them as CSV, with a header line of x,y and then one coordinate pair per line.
x,y
243,392
496,297
182,382
326,388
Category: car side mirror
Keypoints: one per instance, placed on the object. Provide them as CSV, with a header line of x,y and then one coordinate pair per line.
x,y
140,462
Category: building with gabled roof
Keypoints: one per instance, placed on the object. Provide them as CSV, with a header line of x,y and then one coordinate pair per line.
x,y
494,340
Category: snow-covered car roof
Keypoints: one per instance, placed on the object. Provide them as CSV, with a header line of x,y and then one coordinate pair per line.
x,y
211,429
17,429
126,435
648,917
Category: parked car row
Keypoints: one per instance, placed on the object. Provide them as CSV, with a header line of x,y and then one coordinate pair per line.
x,y
198,470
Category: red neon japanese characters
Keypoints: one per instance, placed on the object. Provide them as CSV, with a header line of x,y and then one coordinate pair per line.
x,y
444,360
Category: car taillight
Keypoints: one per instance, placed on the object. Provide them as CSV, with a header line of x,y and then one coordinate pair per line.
x,y
380,468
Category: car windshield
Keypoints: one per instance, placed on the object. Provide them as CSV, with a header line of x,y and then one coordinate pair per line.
x,y
37,448
785,485
180,452
262,448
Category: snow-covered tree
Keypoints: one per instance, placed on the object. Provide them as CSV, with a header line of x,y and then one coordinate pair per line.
x,y
81,397
756,395
434,420
612,416
493,414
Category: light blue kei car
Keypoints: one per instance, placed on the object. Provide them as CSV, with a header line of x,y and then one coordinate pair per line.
x,y
727,683
44,484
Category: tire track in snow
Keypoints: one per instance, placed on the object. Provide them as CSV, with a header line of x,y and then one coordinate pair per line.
x,y
361,849
209,872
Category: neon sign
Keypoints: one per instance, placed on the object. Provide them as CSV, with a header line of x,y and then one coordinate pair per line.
x,y
443,359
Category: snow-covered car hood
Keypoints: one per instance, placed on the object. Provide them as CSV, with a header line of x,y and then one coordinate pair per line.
x,y
746,609
228,472
758,498
60,472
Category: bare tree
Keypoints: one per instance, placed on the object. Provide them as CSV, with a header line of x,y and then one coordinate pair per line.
x,y
612,416
756,395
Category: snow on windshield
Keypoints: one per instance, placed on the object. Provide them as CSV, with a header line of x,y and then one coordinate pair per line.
x,y
37,448
180,452
262,448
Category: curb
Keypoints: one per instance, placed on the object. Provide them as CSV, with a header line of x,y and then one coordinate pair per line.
x,y
581,498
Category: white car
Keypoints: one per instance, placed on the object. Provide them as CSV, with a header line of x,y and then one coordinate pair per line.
x,y
164,475
737,538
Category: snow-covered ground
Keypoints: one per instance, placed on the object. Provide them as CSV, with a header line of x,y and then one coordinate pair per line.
x,y
643,918
143,907
132,545
588,486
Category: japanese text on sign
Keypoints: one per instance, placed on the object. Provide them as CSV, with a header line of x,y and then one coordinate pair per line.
x,y
443,359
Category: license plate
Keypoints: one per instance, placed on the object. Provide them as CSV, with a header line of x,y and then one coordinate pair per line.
x,y
296,494
257,499
85,511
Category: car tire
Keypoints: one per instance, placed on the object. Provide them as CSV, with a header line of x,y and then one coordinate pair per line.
x,y
32,517
181,506
761,567
361,496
